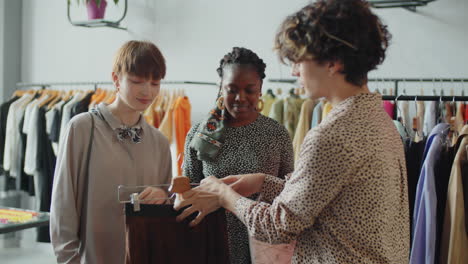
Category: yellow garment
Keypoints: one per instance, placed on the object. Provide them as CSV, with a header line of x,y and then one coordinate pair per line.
x,y
291,111
166,125
276,111
454,241
149,116
327,107
153,114
268,101
182,124
303,126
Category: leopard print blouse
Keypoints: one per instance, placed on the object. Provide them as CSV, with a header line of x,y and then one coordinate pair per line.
x,y
347,200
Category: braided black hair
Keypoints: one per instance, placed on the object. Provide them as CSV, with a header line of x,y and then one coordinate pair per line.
x,y
242,56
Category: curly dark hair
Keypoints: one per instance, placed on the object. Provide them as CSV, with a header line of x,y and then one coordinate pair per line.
x,y
242,56
335,30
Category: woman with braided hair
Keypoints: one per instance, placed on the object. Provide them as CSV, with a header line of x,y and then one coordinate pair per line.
x,y
347,200
237,139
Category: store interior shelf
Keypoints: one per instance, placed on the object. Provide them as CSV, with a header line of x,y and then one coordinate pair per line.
x,y
99,22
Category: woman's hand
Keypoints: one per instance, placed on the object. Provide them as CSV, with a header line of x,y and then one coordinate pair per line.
x,y
153,195
246,184
206,198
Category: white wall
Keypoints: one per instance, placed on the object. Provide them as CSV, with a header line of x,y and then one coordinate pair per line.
x,y
11,50
2,30
194,35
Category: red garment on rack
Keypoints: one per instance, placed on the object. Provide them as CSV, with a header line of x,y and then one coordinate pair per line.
x,y
466,113
389,107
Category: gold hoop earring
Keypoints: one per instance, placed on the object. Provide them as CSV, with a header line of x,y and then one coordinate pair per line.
x,y
260,105
220,103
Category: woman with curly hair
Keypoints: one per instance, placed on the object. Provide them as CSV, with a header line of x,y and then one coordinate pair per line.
x,y
347,200
237,139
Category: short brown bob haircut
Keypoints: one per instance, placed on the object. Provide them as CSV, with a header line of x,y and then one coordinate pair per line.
x,y
335,30
140,58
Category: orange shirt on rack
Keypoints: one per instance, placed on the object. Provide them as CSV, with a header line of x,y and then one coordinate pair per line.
x,y
182,124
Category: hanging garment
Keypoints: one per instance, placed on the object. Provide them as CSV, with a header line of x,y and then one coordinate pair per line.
x,y
277,110
13,143
420,112
401,130
66,114
43,175
389,107
182,125
441,113
449,111
268,101
430,117
4,109
317,114
454,241
414,158
460,117
82,105
166,125
54,133
425,207
442,168
303,126
404,117
466,113
327,107
154,236
291,112
149,114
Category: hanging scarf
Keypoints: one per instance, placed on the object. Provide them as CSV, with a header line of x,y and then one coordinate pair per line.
x,y
209,137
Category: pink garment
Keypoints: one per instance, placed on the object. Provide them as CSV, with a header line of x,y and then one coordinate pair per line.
x,y
389,107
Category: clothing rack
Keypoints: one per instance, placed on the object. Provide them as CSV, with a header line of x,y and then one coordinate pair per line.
x,y
45,85
425,98
396,81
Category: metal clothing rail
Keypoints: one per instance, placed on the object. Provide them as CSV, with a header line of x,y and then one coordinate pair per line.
x,y
45,85
396,81
425,98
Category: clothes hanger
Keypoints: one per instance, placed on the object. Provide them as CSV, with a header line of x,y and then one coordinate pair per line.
x,y
398,117
270,92
19,93
53,94
416,118
422,87
55,100
384,89
279,91
377,90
